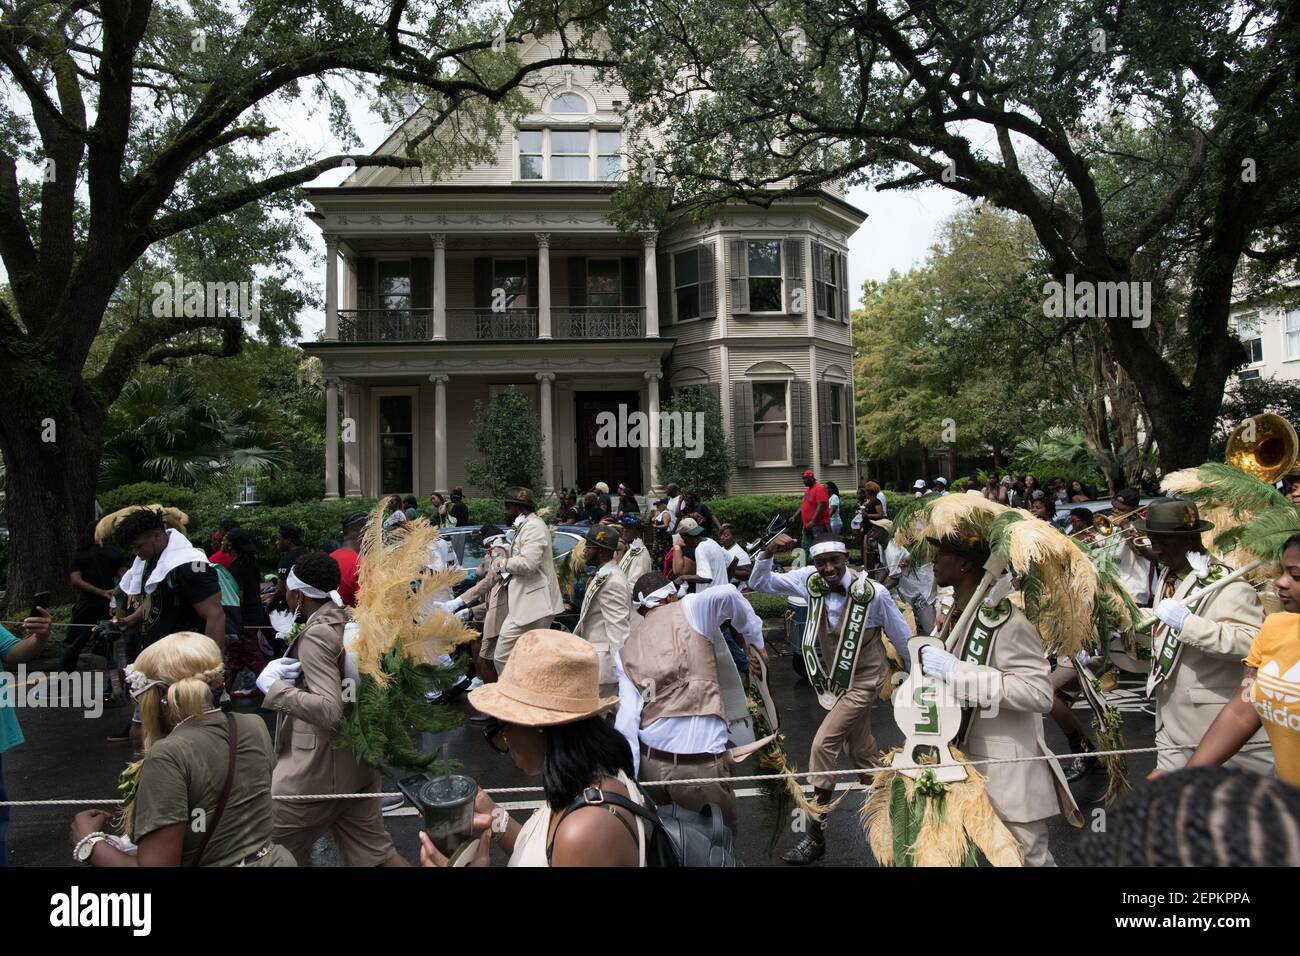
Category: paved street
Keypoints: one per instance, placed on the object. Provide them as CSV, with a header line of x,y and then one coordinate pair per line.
x,y
67,756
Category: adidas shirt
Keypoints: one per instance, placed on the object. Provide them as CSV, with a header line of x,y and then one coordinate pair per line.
x,y
1275,655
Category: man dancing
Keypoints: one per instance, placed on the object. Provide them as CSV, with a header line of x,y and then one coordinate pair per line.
x,y
846,614
532,590
606,614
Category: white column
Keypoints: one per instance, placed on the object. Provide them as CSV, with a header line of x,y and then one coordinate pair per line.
x,y
543,285
351,442
439,291
331,438
331,289
548,432
652,401
439,432
651,291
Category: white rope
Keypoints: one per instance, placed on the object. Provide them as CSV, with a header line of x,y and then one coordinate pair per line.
x,y
693,781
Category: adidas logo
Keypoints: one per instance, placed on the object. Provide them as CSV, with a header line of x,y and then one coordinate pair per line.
x,y
1284,688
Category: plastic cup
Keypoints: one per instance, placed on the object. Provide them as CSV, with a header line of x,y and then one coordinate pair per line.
x,y
449,811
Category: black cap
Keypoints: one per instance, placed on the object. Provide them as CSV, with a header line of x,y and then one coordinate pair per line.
x,y
1129,496
356,517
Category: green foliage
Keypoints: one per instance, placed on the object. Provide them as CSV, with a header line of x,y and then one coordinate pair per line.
x,y
486,511
506,435
751,513
708,473
319,521
377,726
768,606
148,493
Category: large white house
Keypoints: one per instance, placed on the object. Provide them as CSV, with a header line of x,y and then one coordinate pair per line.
x,y
438,294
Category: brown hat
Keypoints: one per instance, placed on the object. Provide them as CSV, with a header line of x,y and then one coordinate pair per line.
x,y
1171,516
965,545
521,497
884,524
551,678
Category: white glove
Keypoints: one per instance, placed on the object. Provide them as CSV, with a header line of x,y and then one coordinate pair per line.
x,y
464,614
454,605
282,668
1173,613
936,662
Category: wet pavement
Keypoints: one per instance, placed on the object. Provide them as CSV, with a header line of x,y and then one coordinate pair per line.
x,y
67,757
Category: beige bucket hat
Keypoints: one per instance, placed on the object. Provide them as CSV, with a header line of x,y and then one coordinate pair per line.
x,y
551,678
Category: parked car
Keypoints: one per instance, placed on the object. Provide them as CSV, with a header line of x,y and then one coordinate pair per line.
x,y
1098,506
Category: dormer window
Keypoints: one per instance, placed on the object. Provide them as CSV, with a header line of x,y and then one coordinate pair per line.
x,y
571,155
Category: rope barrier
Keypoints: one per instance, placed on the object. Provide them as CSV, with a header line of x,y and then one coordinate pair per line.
x,y
694,781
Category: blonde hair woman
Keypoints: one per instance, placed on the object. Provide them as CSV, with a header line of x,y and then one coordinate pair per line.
x,y
201,795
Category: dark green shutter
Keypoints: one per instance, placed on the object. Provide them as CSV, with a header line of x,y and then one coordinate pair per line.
x,y
708,280
664,279
742,422
421,284
820,306
577,281
482,282
844,287
824,434
631,281
800,423
365,283
738,274
794,276
534,295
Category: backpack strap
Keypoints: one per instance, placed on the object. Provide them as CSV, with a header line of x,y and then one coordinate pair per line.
x,y
232,734
595,797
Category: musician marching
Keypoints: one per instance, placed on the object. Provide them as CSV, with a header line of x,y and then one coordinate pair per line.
x,y
1198,645
844,655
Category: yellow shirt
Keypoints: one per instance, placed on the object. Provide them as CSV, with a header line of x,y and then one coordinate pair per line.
x,y
1275,655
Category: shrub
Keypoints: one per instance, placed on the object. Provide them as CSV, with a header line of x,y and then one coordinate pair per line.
x,y
148,493
751,513
768,606
709,472
319,521
506,435
291,487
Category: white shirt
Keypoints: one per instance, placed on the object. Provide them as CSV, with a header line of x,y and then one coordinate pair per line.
x,y
882,613
711,561
687,735
740,556
893,556
917,583
1133,570
673,505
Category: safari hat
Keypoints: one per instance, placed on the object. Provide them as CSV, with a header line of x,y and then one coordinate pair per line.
x,y
552,678
884,523
1171,516
605,536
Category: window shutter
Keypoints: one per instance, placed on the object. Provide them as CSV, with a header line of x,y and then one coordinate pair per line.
x,y
664,277
800,423
795,277
631,280
820,305
824,429
421,284
365,283
844,287
715,393
708,280
482,282
742,422
577,281
533,283
738,275
850,425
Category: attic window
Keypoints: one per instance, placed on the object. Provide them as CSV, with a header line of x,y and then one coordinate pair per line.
x,y
568,103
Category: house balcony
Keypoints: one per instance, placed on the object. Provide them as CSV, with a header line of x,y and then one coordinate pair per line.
x,y
368,326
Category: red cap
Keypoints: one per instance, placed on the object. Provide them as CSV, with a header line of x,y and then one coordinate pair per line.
x,y
809,474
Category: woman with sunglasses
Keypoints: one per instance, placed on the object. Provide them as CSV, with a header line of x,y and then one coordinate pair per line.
x,y
547,712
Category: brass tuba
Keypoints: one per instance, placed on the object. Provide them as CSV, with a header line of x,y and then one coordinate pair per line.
x,y
1264,446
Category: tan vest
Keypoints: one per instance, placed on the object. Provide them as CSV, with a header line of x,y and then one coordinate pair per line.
x,y
674,666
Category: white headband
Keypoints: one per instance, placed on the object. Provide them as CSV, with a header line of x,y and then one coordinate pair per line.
x,y
295,583
138,682
827,547
655,598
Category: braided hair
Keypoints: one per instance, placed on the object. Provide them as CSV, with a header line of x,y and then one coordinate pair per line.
x,y
1210,816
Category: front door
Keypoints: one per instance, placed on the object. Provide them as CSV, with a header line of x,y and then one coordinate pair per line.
x,y
609,461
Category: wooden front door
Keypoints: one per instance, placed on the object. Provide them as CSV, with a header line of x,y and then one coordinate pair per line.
x,y
616,462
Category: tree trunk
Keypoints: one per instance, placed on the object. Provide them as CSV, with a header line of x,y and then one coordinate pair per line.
x,y
51,467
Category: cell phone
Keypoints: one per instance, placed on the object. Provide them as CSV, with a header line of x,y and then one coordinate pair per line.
x,y
42,599
410,787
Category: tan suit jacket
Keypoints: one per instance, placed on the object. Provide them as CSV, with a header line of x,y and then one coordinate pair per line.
x,y
533,592
640,563
490,589
606,618
1013,693
310,710
1215,638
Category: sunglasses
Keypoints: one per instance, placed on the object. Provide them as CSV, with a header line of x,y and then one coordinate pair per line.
x,y
493,733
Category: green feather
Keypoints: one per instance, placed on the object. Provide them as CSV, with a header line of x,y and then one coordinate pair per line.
x,y
1224,485
1268,531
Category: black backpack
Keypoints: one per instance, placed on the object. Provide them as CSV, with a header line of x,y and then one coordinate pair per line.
x,y
676,837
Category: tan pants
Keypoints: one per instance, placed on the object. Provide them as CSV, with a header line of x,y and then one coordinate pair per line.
x,y
1032,838
356,825
847,726
686,795
1256,759
511,632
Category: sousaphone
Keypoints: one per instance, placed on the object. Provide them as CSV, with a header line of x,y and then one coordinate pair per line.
x,y
1264,446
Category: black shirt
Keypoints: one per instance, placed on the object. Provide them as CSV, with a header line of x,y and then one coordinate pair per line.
x,y
460,511
98,565
170,608
287,560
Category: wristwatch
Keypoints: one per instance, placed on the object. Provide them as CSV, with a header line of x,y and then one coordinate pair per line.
x,y
86,846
